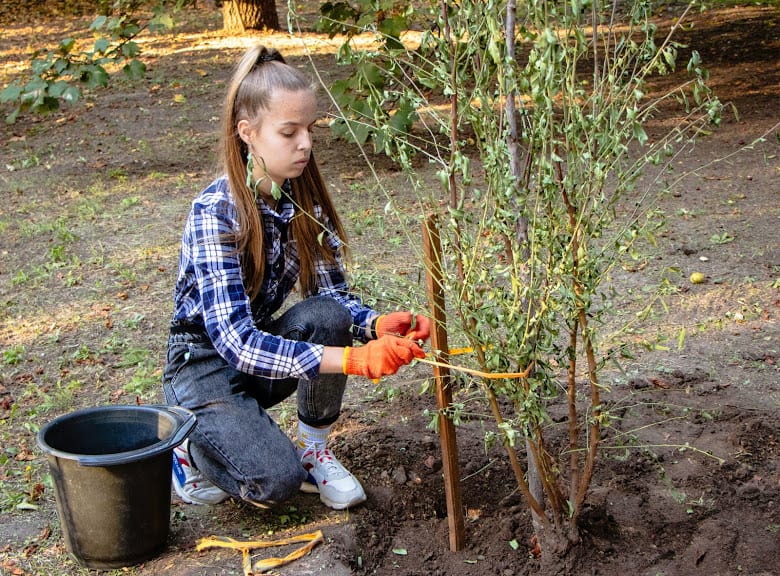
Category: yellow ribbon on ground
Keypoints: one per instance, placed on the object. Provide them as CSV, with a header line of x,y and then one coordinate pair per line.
x,y
266,564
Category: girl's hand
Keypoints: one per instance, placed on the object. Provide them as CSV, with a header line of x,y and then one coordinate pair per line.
x,y
403,324
381,357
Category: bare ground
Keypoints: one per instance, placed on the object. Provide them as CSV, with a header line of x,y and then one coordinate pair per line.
x,y
93,200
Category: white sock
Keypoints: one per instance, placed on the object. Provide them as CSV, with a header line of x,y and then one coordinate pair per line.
x,y
311,437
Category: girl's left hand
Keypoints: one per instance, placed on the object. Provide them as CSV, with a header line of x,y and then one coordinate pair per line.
x,y
403,324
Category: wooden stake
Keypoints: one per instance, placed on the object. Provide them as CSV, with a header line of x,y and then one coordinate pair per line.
x,y
441,373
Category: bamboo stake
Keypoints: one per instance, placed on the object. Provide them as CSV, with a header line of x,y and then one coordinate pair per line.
x,y
441,374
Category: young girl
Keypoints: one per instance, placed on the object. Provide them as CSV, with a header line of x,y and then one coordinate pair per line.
x,y
251,236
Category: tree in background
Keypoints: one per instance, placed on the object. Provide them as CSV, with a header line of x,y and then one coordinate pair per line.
x,y
240,15
58,76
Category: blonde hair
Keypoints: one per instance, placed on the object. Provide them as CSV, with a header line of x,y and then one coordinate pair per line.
x,y
260,74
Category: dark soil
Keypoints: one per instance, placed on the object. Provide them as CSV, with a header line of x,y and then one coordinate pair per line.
x,y
689,479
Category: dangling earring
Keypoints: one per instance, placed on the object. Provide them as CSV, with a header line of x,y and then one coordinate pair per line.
x,y
251,183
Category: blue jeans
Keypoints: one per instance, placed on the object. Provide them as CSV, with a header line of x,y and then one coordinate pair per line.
x,y
236,443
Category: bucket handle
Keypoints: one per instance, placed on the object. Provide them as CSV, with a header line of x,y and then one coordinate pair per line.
x,y
186,423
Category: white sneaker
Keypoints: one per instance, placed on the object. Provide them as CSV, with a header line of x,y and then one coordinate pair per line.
x,y
337,487
189,483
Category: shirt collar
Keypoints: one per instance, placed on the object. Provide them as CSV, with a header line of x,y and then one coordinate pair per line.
x,y
285,209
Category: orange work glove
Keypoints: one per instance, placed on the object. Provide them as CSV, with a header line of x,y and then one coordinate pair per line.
x,y
400,324
380,357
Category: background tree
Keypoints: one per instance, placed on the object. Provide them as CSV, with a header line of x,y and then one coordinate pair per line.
x,y
240,15
58,76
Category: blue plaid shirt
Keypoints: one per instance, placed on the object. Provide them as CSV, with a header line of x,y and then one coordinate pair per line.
x,y
210,290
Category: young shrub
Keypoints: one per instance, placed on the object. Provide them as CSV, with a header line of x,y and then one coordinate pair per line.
x,y
539,146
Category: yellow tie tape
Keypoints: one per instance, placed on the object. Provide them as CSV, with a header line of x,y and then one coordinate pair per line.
x,y
481,374
472,371
266,564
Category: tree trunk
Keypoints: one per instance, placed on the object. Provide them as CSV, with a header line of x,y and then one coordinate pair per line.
x,y
241,15
560,551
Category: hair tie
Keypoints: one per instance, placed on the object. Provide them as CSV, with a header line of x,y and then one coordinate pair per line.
x,y
267,57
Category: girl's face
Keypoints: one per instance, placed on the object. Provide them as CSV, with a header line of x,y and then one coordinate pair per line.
x,y
280,139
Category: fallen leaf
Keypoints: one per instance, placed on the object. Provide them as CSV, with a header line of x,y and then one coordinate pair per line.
x,y
25,455
37,491
658,383
12,568
536,549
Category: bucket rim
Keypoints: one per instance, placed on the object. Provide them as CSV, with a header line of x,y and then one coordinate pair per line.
x,y
183,420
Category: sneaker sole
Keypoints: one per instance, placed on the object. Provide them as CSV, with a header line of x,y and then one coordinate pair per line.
x,y
178,471
342,505
308,487
180,493
197,502
187,499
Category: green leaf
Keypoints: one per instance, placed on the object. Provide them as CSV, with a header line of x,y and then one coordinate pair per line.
x,y
128,30
371,72
135,69
57,89
404,117
61,65
101,45
11,93
98,23
392,28
639,133
161,22
276,191
130,49
400,551
11,118
94,76
67,45
71,94
39,66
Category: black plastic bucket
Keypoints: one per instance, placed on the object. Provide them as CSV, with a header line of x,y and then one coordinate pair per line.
x,y
111,468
